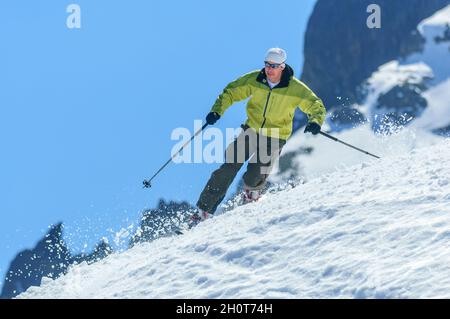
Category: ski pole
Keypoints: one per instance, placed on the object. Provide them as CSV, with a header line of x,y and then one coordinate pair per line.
x,y
147,182
338,140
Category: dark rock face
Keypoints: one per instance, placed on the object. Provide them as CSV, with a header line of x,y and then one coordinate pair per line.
x,y
445,131
341,51
161,221
101,250
50,258
445,37
399,105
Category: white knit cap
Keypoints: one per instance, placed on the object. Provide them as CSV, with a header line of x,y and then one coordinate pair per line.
x,y
276,55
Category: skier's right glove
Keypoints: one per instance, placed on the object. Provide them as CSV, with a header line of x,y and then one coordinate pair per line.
x,y
313,128
212,118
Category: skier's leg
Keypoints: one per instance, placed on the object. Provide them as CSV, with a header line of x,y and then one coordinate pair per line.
x,y
217,186
259,167
235,156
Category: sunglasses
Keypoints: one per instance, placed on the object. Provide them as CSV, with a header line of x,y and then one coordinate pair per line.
x,y
272,65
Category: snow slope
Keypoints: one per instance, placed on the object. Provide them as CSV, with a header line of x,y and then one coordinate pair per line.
x,y
379,229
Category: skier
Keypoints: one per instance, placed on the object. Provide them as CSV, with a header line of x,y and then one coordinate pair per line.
x,y
274,96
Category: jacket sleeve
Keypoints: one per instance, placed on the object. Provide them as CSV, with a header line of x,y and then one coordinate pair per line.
x,y
312,105
237,90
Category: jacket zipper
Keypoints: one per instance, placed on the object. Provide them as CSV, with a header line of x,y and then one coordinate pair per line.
x,y
265,108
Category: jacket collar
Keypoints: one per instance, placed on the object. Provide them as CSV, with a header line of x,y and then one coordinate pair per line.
x,y
285,77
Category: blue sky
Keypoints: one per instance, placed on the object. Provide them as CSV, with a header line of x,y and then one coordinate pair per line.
x,y
87,114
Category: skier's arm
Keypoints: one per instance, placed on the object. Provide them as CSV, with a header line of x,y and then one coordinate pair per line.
x,y
237,90
312,106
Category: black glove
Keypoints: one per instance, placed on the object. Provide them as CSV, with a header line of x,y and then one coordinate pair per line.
x,y
312,127
212,118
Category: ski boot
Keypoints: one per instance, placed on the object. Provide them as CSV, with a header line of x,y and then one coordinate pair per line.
x,y
250,196
199,216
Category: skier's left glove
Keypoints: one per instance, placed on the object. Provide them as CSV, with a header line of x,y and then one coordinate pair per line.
x,y
313,128
212,118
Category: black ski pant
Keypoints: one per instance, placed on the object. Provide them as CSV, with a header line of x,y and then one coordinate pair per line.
x,y
261,152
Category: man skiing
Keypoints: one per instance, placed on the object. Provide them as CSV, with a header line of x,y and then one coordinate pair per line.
x,y
274,96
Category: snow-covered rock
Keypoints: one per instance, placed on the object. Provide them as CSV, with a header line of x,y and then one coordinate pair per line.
x,y
414,90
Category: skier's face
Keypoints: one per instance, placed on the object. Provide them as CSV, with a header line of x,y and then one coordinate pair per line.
x,y
274,73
